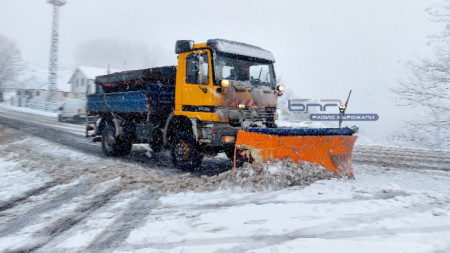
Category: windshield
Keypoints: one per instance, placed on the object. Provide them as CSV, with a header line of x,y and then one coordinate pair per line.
x,y
257,73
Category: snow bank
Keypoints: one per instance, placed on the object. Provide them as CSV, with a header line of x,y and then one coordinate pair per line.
x,y
252,177
272,175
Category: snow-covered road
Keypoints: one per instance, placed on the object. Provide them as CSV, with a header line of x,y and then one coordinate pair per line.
x,y
54,198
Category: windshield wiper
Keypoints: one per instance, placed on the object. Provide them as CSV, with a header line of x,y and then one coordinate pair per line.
x,y
259,77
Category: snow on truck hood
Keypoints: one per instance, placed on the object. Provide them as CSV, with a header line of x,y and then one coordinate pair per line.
x,y
239,48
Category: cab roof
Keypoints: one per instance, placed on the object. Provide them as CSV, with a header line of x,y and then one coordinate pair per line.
x,y
239,48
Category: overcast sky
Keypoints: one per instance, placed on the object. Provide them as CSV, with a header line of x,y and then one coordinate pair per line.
x,y
323,47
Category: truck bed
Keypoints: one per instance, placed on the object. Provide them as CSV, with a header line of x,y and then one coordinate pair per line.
x,y
134,80
156,99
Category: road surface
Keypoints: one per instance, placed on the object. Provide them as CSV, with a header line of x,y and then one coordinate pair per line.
x,y
61,194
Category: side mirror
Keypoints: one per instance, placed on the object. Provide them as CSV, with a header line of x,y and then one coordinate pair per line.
x,y
183,46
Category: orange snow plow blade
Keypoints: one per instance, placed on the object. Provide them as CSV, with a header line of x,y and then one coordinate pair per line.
x,y
329,147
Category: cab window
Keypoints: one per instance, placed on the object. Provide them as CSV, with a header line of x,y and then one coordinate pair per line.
x,y
205,68
193,68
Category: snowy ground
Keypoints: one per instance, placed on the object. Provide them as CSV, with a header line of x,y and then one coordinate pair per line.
x,y
7,107
55,199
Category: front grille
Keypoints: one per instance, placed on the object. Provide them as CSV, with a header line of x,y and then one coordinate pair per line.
x,y
259,113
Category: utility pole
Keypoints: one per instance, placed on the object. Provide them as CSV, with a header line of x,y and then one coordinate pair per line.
x,y
53,66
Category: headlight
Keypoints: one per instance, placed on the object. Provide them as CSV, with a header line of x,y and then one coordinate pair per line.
x,y
225,83
241,106
228,139
280,88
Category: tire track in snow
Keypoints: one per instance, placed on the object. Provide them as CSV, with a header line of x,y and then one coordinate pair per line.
x,y
402,158
399,164
405,156
113,236
402,150
63,224
17,200
343,228
356,197
258,242
400,153
22,221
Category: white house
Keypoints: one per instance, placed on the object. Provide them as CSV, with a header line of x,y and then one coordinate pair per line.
x,y
83,80
42,94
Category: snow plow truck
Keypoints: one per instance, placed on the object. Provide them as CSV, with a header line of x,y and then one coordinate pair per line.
x,y
221,97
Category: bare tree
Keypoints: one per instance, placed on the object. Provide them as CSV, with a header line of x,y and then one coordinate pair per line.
x,y
426,89
10,60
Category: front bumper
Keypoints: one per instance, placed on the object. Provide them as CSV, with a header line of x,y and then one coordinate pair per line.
x,y
211,134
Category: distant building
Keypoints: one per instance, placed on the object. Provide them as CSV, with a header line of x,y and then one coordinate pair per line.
x,y
83,80
26,96
41,94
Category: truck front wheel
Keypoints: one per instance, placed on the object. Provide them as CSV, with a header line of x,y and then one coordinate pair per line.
x,y
157,141
184,152
113,146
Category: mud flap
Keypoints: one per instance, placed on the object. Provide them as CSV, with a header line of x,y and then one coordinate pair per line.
x,y
330,148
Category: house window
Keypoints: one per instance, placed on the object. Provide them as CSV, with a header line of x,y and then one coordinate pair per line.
x,y
76,81
82,81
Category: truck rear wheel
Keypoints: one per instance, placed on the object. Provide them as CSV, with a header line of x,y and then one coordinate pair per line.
x,y
184,152
113,146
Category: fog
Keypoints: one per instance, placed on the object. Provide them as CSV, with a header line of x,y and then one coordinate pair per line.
x,y
323,48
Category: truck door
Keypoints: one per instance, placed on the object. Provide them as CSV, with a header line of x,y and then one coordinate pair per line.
x,y
197,91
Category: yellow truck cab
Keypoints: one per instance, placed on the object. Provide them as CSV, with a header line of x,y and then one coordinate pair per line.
x,y
223,86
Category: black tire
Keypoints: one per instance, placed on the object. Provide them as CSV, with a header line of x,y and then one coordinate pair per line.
x,y
184,152
157,142
76,119
230,153
59,118
113,146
